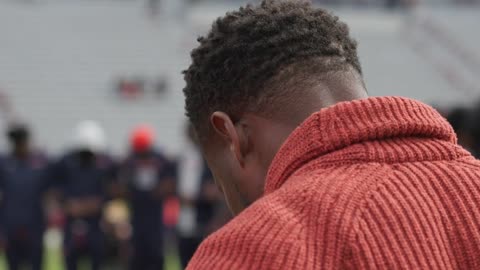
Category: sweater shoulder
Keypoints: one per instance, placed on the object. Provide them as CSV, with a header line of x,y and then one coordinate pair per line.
x,y
337,196
260,237
407,218
301,225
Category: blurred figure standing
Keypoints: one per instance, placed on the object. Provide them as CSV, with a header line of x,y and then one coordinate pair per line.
x,y
23,182
463,121
83,176
148,177
201,201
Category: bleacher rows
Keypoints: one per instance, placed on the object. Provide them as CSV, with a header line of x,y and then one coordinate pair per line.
x,y
59,62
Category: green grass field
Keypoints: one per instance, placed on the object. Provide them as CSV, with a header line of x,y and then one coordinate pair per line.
x,y
53,260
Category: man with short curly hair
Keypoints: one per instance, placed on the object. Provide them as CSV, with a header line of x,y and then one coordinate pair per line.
x,y
319,175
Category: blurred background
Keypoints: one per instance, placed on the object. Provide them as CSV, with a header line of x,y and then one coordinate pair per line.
x,y
98,169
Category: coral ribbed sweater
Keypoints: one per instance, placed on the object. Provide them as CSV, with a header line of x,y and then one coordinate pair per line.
x,y
378,183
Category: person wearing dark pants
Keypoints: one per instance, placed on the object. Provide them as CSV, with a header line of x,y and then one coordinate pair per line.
x,y
25,245
147,248
82,176
147,179
23,183
83,239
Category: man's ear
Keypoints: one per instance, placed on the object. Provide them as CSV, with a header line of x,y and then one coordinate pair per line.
x,y
225,128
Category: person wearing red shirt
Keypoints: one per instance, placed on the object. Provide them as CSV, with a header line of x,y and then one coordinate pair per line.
x,y
318,174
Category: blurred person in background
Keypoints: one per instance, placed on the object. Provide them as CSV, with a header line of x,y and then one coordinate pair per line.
x,y
202,209
148,178
461,120
83,176
474,124
24,180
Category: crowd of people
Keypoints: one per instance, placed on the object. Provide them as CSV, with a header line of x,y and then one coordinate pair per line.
x,y
105,207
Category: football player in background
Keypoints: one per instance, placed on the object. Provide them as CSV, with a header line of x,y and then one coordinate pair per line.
x,y
24,180
148,178
83,176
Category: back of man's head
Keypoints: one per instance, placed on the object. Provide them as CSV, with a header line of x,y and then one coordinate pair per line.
x,y
263,58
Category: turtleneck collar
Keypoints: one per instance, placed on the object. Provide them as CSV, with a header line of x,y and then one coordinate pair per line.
x,y
348,123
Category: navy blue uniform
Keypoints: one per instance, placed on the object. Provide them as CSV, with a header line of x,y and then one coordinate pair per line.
x,y
82,178
145,176
23,182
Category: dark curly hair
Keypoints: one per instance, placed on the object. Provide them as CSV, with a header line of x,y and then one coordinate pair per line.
x,y
250,54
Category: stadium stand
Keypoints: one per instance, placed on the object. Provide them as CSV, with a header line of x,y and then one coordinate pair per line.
x,y
60,64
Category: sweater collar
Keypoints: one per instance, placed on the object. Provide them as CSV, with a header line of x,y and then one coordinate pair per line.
x,y
353,122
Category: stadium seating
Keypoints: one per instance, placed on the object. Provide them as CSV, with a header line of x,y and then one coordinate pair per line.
x,y
59,62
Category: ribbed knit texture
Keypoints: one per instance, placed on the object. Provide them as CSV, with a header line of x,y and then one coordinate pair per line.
x,y
378,183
